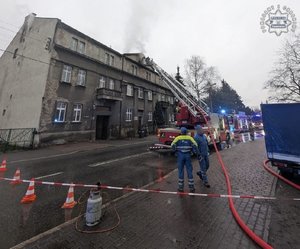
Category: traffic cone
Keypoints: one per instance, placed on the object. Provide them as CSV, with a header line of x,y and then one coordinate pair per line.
x,y
29,196
17,178
70,203
3,165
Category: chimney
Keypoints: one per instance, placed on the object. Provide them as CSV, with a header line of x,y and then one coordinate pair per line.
x,y
27,25
29,20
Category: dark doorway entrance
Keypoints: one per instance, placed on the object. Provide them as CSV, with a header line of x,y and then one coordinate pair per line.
x,y
140,122
102,127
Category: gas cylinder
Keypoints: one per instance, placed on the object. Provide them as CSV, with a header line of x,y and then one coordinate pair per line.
x,y
93,208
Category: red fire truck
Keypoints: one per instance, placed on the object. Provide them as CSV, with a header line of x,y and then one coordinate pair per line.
x,y
167,135
190,112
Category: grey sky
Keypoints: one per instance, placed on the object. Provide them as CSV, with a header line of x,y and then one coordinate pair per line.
x,y
226,34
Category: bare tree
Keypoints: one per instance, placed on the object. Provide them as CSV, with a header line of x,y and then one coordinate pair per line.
x,y
200,78
284,84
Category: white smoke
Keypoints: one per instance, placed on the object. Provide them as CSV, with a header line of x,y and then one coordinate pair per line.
x,y
141,21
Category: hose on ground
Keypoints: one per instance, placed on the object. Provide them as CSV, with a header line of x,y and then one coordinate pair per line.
x,y
234,212
296,186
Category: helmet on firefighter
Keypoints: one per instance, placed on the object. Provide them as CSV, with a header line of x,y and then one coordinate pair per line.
x,y
183,130
198,127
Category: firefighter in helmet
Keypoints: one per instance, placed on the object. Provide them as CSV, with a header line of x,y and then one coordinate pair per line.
x,y
201,140
185,145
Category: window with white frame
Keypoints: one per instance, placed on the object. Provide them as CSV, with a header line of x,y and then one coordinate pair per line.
x,y
129,114
60,113
149,95
111,84
102,81
140,93
77,109
74,44
129,91
170,117
163,97
150,116
81,77
81,47
66,74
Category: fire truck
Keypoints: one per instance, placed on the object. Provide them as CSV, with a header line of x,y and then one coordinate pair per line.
x,y
190,112
257,121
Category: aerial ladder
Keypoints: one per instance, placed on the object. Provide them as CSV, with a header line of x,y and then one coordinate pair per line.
x,y
192,111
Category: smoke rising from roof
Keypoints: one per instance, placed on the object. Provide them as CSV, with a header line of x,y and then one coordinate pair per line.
x,y
140,23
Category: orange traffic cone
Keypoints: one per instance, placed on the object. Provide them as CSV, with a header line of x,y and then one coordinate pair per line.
x,y
3,165
70,203
17,178
30,196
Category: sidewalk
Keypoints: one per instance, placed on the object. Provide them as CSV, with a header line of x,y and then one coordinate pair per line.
x,y
150,220
70,148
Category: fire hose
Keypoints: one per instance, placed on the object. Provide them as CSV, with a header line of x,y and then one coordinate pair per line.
x,y
296,186
233,210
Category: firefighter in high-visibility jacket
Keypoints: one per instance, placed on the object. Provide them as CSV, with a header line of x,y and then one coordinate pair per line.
x,y
184,145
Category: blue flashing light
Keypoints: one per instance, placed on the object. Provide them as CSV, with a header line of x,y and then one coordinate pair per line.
x,y
223,111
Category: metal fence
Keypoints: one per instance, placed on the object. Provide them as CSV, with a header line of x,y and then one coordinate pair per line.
x,y
16,138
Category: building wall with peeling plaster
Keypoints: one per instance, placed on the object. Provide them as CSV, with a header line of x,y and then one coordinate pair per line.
x,y
48,88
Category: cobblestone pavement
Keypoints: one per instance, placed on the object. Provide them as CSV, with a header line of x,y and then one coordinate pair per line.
x,y
285,222
167,221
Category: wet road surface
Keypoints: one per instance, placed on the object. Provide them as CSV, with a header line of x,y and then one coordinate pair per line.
x,y
130,166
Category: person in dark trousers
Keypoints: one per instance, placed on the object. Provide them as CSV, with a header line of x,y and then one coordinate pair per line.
x,y
251,130
202,143
228,138
185,145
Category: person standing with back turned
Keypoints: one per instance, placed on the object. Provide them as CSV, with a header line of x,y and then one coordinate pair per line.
x,y
201,140
184,145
